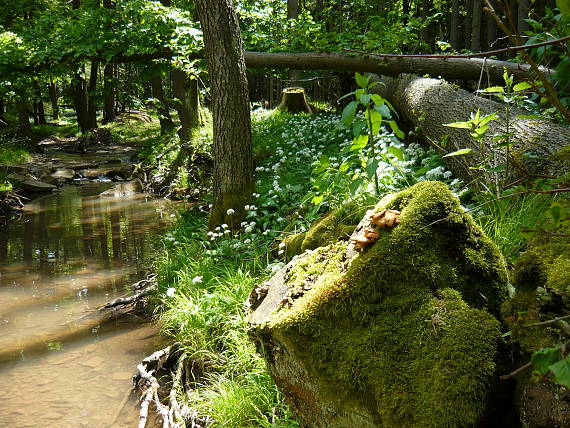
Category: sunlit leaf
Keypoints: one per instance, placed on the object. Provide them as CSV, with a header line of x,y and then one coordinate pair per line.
x,y
458,153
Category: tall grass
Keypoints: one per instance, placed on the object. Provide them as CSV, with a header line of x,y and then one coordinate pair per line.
x,y
507,221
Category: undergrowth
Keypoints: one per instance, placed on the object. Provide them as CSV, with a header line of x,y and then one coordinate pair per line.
x,y
206,276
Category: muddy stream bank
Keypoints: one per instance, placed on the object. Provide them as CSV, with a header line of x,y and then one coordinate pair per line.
x,y
68,253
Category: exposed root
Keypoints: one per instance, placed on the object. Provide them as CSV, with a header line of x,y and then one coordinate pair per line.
x,y
144,287
173,415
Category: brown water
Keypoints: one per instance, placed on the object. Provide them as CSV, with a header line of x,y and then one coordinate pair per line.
x,y
61,363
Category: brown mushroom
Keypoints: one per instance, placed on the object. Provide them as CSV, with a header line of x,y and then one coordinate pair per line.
x,y
371,233
360,242
388,218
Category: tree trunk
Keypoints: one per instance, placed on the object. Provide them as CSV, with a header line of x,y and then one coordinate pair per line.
x,y
476,26
454,26
91,96
427,31
166,123
109,93
522,14
405,11
451,68
54,96
430,103
39,112
233,154
491,29
24,126
79,95
2,113
185,90
293,13
468,24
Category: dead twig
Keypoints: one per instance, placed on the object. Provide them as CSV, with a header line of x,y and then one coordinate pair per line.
x,y
552,321
516,372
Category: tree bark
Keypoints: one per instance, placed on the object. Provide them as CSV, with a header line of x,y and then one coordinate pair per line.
x,y
166,123
428,104
24,126
185,90
426,33
522,14
233,154
39,111
468,24
91,96
80,102
2,112
491,29
54,96
451,68
293,100
454,26
109,93
476,26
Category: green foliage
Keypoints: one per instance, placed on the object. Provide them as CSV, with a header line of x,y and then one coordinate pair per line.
x,y
551,362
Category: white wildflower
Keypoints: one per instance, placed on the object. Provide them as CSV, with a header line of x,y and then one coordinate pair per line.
x,y
170,292
197,279
230,211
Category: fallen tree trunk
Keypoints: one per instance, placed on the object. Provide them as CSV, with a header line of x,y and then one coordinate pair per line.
x,y
539,147
450,68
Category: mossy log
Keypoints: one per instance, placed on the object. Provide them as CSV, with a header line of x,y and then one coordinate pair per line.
x,y
294,100
401,334
538,146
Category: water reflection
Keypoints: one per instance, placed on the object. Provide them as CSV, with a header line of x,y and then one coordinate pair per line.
x,y
61,362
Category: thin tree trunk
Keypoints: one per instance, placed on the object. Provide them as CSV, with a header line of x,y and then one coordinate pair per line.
x,y
24,126
39,112
450,68
91,96
2,112
109,93
185,90
79,90
166,123
54,96
522,14
293,13
427,32
468,25
491,29
476,26
454,25
233,154
405,11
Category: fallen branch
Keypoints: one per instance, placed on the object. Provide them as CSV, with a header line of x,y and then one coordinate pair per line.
x,y
516,372
552,321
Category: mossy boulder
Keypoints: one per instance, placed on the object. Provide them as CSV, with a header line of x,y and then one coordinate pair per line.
x,y
337,224
401,334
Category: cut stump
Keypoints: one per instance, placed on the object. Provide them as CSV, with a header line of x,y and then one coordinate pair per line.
x,y
293,100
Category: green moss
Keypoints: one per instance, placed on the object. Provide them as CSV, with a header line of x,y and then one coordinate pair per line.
x,y
337,224
521,310
293,244
403,325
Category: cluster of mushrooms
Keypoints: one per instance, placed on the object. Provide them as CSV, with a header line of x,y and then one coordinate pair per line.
x,y
382,219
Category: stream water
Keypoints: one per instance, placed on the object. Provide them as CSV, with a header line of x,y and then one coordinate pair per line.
x,y
69,253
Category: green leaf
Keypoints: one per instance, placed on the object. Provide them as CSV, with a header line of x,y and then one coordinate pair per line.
x,y
355,184
395,129
542,359
361,80
357,127
462,125
522,86
458,153
561,372
529,116
384,110
343,167
493,90
371,167
317,199
397,152
375,120
486,119
359,143
364,99
346,95
348,113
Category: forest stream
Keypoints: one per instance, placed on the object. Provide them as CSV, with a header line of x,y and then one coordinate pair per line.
x,y
61,363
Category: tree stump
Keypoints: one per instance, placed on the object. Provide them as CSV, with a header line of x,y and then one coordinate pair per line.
x,y
293,100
